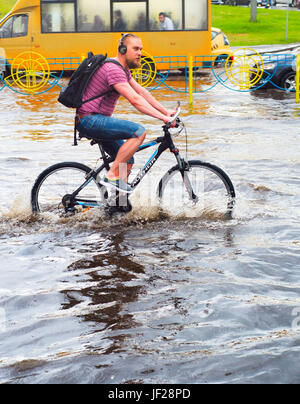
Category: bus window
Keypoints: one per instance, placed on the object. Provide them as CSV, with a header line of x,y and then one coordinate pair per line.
x,y
20,25
93,15
196,14
58,17
129,16
16,26
214,34
6,29
171,8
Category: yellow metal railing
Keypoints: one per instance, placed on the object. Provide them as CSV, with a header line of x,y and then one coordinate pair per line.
x,y
32,74
297,78
190,80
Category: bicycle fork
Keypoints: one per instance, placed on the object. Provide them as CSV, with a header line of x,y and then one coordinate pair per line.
x,y
184,168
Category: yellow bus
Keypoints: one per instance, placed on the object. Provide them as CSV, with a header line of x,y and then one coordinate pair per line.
x,y
71,28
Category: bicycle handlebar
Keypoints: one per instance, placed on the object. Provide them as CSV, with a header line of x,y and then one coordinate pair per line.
x,y
175,116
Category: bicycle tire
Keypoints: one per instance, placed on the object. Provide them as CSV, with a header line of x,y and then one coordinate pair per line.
x,y
59,180
212,187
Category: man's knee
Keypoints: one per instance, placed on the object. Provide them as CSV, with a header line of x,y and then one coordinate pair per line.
x,y
142,137
140,132
139,139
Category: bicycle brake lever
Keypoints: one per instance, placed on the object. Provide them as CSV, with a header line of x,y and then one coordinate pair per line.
x,y
174,118
177,123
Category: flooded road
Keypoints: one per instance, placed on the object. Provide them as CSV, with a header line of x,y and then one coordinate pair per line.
x,y
145,298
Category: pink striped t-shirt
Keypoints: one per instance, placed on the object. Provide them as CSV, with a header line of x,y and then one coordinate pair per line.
x,y
102,81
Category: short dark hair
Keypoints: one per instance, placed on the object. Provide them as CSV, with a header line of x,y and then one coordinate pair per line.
x,y
125,37
162,13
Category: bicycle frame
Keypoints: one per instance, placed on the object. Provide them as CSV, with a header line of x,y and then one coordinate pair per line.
x,y
165,142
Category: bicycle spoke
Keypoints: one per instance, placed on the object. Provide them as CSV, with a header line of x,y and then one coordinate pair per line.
x,y
203,187
52,192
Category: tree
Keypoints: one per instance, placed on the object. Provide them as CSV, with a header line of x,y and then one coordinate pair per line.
x,y
253,11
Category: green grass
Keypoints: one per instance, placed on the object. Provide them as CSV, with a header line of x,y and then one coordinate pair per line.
x,y
269,29
6,6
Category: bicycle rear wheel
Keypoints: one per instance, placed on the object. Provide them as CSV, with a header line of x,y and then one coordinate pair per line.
x,y
204,187
54,186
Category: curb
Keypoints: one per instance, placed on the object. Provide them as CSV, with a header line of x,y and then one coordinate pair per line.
x,y
262,49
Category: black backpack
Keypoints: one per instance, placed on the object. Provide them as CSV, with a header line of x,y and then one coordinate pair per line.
x,y
71,95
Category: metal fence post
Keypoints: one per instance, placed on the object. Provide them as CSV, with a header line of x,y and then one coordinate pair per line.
x,y
191,80
297,78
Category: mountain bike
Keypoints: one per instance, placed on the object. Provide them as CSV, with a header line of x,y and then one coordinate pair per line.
x,y
70,187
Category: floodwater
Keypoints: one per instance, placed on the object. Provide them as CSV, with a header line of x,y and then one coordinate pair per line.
x,y
146,298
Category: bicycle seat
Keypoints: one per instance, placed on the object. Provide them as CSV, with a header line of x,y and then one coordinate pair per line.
x,y
93,141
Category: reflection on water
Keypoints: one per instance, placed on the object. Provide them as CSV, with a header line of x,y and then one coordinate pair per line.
x,y
108,285
151,298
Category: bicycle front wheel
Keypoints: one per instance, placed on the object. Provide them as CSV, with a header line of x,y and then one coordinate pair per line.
x,y
53,189
202,186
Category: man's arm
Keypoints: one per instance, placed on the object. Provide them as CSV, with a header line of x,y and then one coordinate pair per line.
x,y
149,98
142,103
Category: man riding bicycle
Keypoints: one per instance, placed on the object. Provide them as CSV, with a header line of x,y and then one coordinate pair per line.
x,y
94,118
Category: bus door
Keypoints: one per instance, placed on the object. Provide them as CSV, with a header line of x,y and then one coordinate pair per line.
x,y
15,37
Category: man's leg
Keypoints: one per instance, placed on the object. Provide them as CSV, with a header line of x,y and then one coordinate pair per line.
x,y
112,148
125,153
107,130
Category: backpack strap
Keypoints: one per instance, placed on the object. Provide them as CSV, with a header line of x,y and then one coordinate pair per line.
x,y
118,64
96,96
108,60
75,133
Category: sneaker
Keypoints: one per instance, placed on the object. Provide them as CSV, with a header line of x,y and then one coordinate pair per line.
x,y
117,184
112,210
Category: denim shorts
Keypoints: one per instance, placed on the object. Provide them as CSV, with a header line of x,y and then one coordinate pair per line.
x,y
110,131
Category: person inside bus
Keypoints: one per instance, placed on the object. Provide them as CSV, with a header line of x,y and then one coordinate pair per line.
x,y
98,24
120,138
140,24
119,24
166,24
47,23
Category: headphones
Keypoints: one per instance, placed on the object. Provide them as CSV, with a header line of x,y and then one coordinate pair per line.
x,y
122,47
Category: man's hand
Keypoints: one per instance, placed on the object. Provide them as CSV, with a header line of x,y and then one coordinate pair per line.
x,y
172,112
168,119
